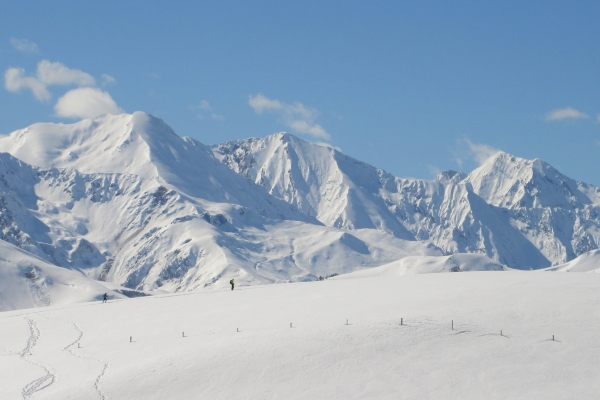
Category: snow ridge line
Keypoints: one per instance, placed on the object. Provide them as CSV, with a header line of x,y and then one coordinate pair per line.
x,y
44,381
105,364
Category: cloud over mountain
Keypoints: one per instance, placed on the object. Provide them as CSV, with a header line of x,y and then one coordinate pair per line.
x,y
87,101
296,116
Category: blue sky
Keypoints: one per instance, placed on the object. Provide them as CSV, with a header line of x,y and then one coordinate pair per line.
x,y
409,86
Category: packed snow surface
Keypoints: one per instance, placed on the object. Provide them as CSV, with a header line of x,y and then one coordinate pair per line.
x,y
345,341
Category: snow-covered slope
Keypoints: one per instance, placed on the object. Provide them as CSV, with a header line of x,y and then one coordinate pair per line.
x,y
346,341
521,213
27,281
587,262
429,264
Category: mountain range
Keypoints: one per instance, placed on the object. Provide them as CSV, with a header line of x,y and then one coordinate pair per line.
x,y
122,200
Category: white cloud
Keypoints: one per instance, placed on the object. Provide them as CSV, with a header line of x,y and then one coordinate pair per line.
x,y
85,102
433,170
207,109
205,105
260,103
48,74
24,45
475,151
15,80
481,152
108,80
296,116
565,113
56,73
309,128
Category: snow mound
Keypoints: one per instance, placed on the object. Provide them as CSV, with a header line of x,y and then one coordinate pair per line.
x,y
588,262
429,264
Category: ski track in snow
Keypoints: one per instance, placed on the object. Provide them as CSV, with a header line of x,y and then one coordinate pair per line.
x,y
44,381
105,364
77,341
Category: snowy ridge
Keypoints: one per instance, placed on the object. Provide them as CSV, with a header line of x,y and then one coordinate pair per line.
x,y
143,146
521,213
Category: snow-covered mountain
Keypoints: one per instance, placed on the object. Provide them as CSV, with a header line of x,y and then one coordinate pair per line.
x,y
521,213
124,200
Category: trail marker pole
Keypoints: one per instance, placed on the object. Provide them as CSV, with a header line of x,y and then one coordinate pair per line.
x,y
130,339
552,337
238,329
501,332
452,324
182,334
290,324
401,321
78,345
346,322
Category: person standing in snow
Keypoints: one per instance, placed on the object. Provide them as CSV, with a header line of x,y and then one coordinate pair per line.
x,y
105,298
232,283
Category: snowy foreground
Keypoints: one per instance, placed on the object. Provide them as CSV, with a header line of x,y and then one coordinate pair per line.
x,y
83,351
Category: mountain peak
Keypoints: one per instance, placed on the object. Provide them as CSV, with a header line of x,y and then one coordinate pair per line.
x,y
450,176
508,181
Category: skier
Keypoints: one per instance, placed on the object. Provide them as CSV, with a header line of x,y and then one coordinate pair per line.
x,y
105,298
232,283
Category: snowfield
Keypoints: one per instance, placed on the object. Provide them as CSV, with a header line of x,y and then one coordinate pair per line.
x,y
346,341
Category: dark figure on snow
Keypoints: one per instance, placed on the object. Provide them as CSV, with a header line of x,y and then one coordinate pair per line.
x,y
232,283
105,298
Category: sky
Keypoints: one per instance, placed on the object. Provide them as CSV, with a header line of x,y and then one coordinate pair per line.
x,y
413,87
